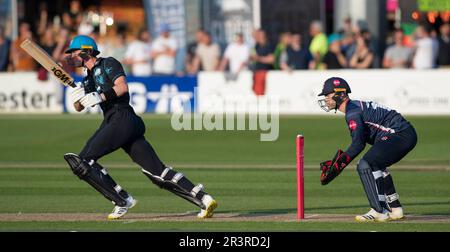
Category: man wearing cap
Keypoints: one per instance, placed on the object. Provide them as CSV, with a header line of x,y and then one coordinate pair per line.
x,y
164,51
105,85
391,136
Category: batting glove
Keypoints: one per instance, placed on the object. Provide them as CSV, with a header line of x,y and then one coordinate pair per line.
x,y
77,92
91,99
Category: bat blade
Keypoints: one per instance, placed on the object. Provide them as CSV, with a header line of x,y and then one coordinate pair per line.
x,y
47,62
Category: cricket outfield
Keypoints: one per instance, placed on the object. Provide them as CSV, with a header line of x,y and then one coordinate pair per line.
x,y
254,182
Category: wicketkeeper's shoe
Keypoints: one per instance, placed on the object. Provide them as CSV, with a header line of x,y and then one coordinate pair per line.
x,y
373,216
396,213
119,211
210,204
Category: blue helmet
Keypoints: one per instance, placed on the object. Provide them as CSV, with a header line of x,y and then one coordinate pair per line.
x,y
83,42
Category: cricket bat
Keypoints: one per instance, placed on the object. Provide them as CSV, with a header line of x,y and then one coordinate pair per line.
x,y
47,62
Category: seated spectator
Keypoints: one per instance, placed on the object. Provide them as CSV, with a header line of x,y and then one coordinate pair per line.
x,y
22,61
164,51
296,57
138,54
397,55
4,51
334,59
347,42
363,56
236,56
444,46
263,56
423,56
207,54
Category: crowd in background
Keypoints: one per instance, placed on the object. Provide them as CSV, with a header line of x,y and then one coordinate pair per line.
x,y
352,47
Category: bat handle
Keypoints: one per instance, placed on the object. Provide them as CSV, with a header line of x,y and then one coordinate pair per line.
x,y
72,84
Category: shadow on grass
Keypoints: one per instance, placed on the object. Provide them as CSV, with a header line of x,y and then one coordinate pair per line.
x,y
267,212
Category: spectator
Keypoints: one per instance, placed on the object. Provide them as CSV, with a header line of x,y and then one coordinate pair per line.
x,y
237,56
4,51
347,28
423,57
319,45
101,40
372,45
435,44
47,42
43,19
296,57
76,13
119,48
20,59
397,55
138,54
207,55
444,46
334,59
284,41
63,42
363,56
163,53
191,68
263,56
347,43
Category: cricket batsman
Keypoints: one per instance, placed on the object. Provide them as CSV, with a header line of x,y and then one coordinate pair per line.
x,y
106,85
391,137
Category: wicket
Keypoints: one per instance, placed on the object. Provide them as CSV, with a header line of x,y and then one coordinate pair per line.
x,y
300,176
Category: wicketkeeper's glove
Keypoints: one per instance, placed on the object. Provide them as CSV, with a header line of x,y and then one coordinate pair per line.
x,y
332,168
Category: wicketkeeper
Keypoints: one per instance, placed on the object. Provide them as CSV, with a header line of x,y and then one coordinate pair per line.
x,y
391,137
106,85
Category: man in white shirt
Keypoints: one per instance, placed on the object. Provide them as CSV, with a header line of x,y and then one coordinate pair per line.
x,y
164,50
237,55
423,58
138,55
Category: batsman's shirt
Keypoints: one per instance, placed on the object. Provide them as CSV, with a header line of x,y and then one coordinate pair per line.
x,y
369,122
101,78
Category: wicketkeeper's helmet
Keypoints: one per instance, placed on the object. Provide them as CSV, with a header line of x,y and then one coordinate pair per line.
x,y
335,85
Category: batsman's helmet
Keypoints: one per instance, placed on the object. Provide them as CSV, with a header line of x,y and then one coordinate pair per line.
x,y
85,43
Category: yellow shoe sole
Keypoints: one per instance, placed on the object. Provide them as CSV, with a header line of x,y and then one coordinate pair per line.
x,y
210,210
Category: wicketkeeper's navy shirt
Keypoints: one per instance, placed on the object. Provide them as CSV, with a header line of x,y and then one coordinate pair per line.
x,y
369,122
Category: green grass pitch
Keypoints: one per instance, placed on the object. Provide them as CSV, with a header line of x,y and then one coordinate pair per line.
x,y
254,182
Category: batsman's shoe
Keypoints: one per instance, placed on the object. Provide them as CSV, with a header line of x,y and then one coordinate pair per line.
x,y
119,211
210,204
396,213
373,216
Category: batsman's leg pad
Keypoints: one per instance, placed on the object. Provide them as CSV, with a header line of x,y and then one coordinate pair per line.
x,y
369,184
169,180
94,177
